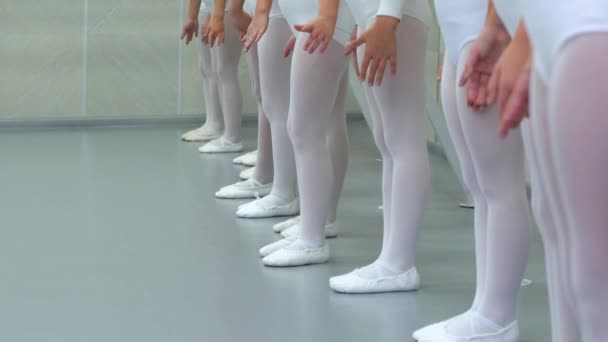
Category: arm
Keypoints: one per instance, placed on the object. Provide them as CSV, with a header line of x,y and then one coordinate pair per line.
x,y
259,23
513,79
214,31
238,17
191,24
483,56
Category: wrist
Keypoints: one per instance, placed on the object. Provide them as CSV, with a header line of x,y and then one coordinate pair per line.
x,y
218,15
387,22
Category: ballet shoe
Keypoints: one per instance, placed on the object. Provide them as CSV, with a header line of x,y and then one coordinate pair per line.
x,y
247,159
245,189
247,173
298,253
275,246
355,283
281,226
331,230
221,145
438,332
203,133
269,206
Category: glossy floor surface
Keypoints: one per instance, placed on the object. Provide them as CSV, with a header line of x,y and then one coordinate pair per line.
x,y
113,234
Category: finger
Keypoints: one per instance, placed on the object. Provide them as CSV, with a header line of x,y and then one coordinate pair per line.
x,y
480,101
356,65
222,38
373,68
493,87
315,45
309,42
358,42
393,62
304,28
364,66
472,89
381,69
504,93
468,68
324,45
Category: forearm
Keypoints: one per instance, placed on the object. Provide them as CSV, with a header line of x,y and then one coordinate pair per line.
x,y
220,8
194,7
328,8
521,38
236,6
263,7
494,22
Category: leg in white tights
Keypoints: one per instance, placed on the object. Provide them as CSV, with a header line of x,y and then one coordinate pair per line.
x,y
550,217
260,183
226,62
338,146
398,114
214,123
577,123
315,82
275,79
264,164
503,235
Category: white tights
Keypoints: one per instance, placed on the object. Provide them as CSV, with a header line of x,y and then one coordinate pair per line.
x,y
264,164
493,171
274,80
225,59
213,107
315,114
398,114
569,122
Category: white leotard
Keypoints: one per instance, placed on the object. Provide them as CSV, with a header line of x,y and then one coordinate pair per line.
x,y
302,11
460,22
204,7
552,23
510,13
275,11
366,11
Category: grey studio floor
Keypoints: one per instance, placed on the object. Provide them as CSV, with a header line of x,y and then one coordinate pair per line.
x,y
113,234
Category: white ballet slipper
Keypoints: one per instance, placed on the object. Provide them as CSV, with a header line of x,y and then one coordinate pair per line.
x,y
354,283
281,226
269,206
245,189
247,159
297,254
438,332
275,246
203,133
221,145
331,231
247,173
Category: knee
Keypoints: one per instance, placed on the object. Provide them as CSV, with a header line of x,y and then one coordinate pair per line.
x,y
378,134
206,70
304,134
257,92
404,145
226,71
544,220
470,180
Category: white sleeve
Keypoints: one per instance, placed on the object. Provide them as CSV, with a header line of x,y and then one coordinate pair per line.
x,y
392,8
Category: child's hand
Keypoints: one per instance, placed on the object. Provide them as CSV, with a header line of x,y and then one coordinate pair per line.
x,y
190,29
380,47
320,32
213,32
